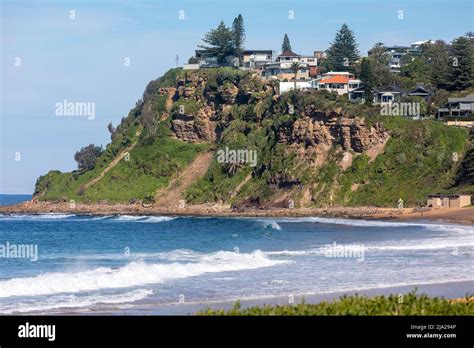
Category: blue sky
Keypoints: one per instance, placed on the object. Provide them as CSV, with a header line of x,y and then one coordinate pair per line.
x,y
82,59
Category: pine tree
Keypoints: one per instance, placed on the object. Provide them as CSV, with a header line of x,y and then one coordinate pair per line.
x,y
343,53
462,65
221,43
238,31
367,78
286,46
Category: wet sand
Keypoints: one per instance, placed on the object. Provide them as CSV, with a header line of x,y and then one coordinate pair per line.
x,y
452,215
450,290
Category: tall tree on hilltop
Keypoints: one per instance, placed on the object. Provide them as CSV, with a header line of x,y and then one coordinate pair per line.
x,y
343,53
367,78
220,43
437,57
238,32
462,64
286,46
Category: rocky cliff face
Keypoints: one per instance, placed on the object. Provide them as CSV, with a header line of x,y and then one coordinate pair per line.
x,y
312,128
350,133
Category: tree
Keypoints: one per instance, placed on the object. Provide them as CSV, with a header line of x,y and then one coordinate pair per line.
x,y
286,46
367,78
220,43
379,63
111,129
343,53
238,32
193,60
437,57
461,72
86,157
295,67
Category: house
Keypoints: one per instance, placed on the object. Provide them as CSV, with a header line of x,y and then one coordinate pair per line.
x,y
449,201
396,53
285,86
460,107
206,61
388,94
421,92
312,63
281,68
334,81
256,59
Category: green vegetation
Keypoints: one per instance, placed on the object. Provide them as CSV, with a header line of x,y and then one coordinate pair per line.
x,y
421,158
343,53
286,45
410,304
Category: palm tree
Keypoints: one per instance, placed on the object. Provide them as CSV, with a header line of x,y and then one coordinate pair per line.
x,y
295,67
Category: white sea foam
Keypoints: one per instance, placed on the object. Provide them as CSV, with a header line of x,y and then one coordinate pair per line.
x,y
133,274
447,227
36,217
73,301
272,224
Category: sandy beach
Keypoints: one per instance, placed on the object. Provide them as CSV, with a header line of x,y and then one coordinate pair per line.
x,y
457,291
452,215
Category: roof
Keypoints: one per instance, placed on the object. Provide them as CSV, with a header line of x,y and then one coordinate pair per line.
x,y
289,54
467,99
335,79
257,51
389,89
441,195
421,90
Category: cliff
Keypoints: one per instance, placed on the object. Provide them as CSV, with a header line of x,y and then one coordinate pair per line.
x,y
311,149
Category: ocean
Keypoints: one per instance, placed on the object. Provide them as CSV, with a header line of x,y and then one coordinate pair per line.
x,y
144,264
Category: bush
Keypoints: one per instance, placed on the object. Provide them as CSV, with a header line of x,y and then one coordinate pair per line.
x,y
411,304
86,157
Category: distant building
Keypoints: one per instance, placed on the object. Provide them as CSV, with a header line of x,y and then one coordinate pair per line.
x,y
289,85
388,94
449,201
206,61
460,107
341,82
396,54
281,68
256,59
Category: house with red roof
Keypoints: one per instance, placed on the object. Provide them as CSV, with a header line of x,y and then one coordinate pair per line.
x,y
341,82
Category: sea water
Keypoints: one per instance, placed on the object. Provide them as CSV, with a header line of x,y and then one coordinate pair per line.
x,y
115,264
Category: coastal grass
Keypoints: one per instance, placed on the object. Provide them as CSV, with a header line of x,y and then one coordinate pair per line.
x,y
356,305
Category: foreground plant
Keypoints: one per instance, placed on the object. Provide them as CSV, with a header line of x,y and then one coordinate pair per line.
x,y
410,304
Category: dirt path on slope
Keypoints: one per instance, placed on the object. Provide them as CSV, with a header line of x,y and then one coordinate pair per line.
x,y
173,194
113,163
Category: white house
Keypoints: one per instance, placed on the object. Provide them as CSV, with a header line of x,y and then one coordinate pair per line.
x,y
341,82
300,84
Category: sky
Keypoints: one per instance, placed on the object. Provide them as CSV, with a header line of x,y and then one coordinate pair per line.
x,y
105,52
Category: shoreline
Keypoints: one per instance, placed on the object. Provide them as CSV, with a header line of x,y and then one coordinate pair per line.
x,y
451,215
452,290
